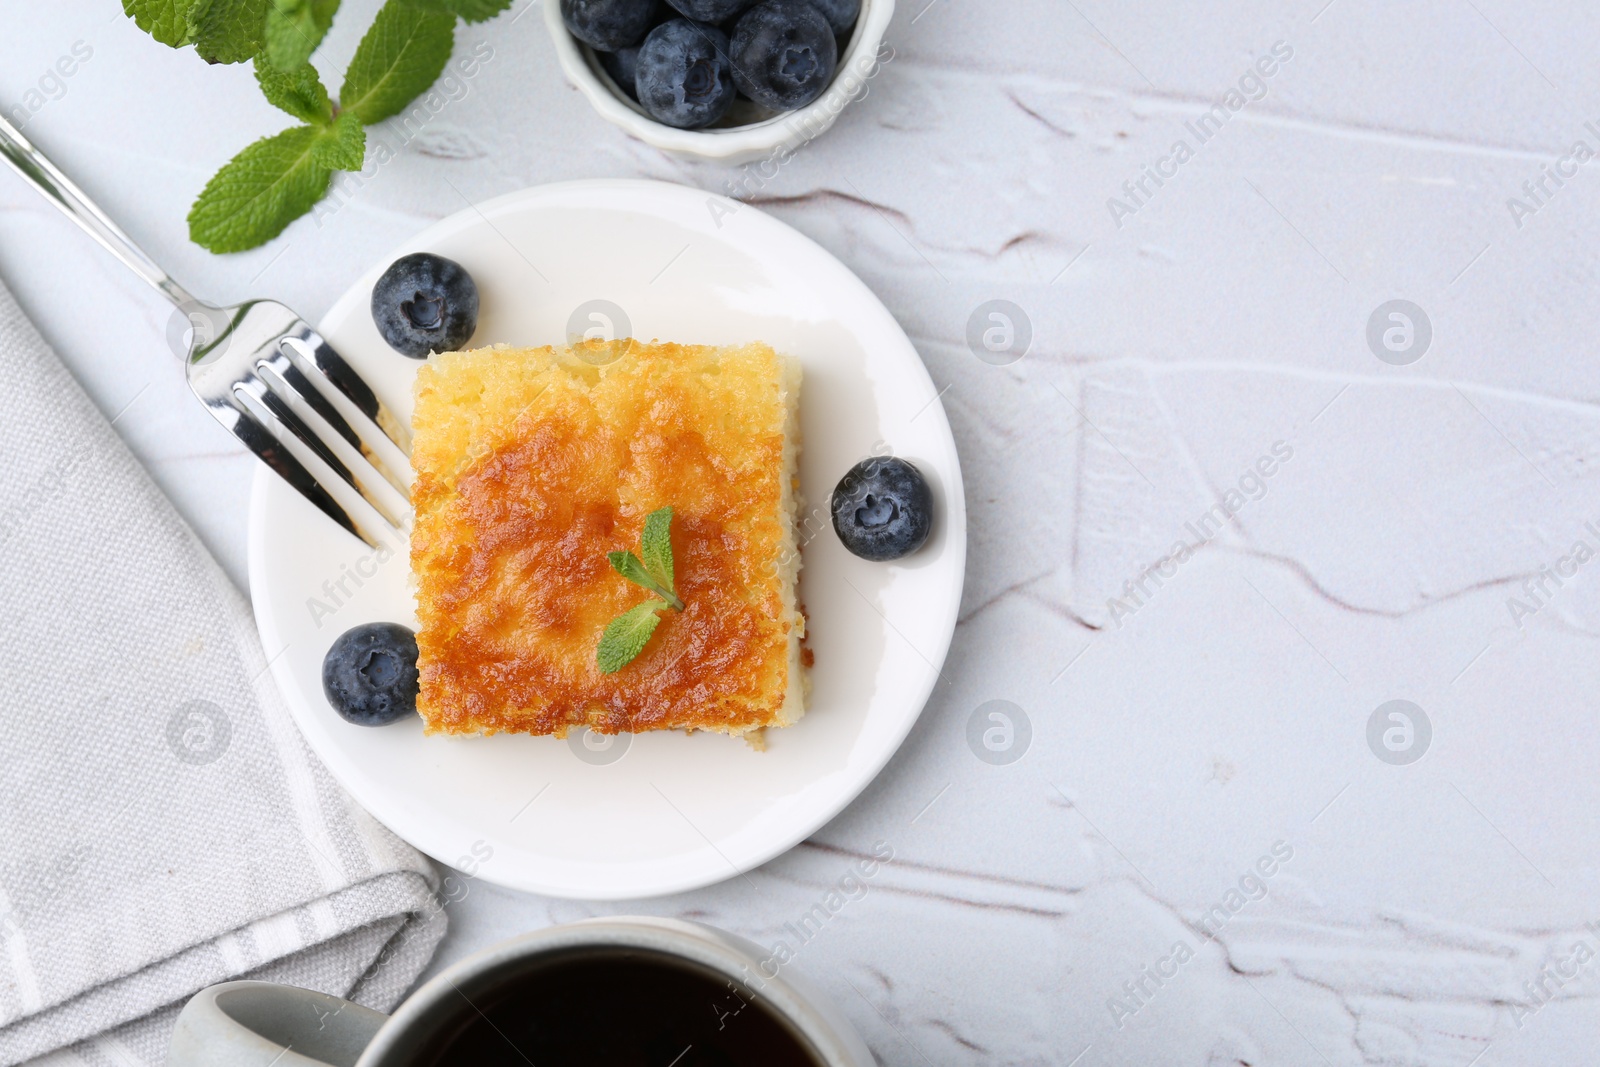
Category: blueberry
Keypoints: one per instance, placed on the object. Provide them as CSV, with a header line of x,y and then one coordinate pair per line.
x,y
425,303
370,674
882,509
841,14
683,77
623,66
784,54
608,24
710,10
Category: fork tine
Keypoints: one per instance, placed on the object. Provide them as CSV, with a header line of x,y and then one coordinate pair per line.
x,y
277,385
243,425
364,520
299,383
310,346
351,468
353,461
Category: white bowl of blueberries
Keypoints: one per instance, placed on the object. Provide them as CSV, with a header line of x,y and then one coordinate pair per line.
x,y
730,81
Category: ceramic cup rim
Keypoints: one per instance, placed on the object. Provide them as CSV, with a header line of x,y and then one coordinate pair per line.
x,y
785,994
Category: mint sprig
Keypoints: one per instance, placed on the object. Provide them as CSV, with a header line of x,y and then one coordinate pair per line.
x,y
626,635
277,179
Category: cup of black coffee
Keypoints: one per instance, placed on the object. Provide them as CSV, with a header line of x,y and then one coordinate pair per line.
x,y
623,991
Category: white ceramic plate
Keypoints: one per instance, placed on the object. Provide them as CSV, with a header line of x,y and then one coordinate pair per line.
x,y
658,812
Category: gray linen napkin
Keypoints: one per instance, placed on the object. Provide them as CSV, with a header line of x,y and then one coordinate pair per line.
x,y
162,824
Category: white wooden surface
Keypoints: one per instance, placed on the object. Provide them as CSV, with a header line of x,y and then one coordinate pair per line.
x,y
1182,734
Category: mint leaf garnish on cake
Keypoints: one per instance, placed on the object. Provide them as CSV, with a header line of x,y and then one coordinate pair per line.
x,y
627,634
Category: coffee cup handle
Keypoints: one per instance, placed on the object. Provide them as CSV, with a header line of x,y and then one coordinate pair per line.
x,y
253,1024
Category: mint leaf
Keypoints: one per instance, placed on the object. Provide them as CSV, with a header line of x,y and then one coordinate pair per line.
x,y
295,28
261,190
228,31
655,546
626,635
298,91
471,10
344,146
165,20
628,565
402,54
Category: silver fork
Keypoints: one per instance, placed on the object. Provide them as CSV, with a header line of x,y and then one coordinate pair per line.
x,y
268,377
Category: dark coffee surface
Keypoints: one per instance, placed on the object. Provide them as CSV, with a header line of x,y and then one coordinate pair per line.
x,y
620,1009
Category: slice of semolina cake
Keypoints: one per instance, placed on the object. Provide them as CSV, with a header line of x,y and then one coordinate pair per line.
x,y
532,464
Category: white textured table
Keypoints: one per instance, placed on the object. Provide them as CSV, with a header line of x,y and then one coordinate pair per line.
x,y
1206,854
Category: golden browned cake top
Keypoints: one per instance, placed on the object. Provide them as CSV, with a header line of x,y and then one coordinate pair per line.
x,y
531,465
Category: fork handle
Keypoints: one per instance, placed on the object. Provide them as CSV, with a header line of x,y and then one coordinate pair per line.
x,y
32,164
